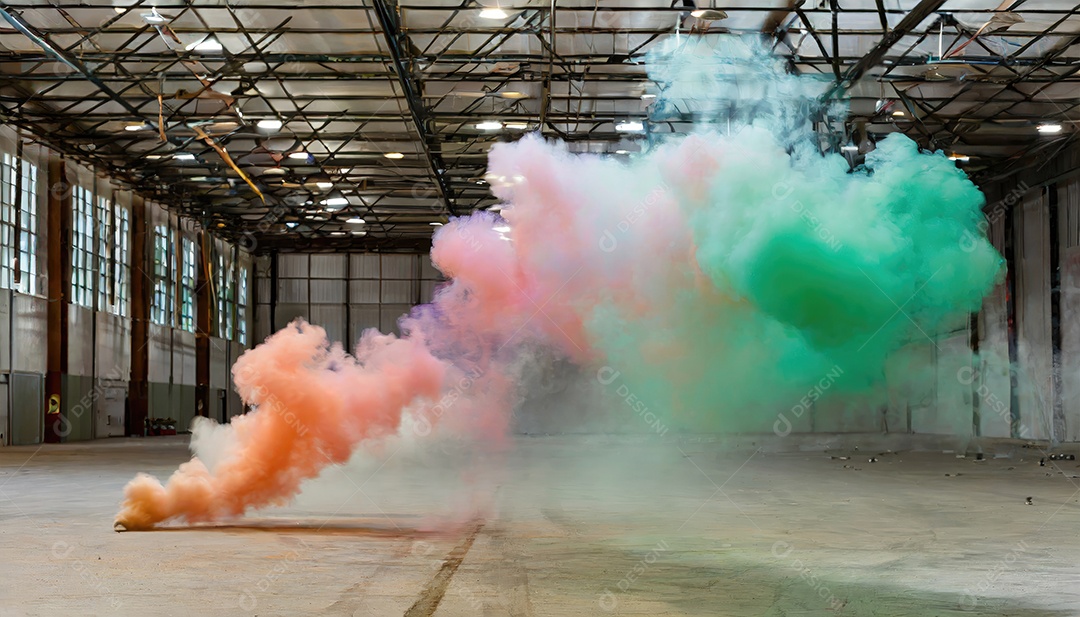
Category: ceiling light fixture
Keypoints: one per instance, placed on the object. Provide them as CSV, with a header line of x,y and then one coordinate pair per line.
x,y
501,229
849,148
184,156
270,125
517,126
648,96
325,185
135,126
335,201
489,125
359,233
435,224
356,220
513,94
291,224
630,126
493,13
207,44
394,155
299,156
898,114
1049,128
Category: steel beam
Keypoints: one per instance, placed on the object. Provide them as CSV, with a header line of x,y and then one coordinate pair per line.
x,y
413,98
907,25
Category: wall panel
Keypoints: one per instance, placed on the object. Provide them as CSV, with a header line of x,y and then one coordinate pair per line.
x,y
219,363
113,345
159,342
80,341
183,343
1069,227
27,413
332,318
29,334
1034,352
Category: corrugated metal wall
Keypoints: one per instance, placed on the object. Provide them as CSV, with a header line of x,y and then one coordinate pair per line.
x,y
343,293
1022,399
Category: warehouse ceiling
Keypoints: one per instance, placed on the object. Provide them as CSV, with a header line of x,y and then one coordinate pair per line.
x,y
367,123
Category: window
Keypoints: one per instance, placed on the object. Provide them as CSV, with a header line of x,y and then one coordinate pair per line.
x,y
18,219
241,308
162,309
122,263
187,284
82,243
103,219
226,295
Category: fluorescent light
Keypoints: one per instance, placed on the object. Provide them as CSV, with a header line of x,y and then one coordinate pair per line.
x,y
648,97
207,44
495,208
630,126
325,185
337,233
356,220
359,233
898,114
435,224
300,156
1049,128
709,14
271,125
963,158
490,125
335,201
291,224
501,229
495,13
315,217
153,157
394,155
138,126
513,94
184,156
622,152
849,148
517,126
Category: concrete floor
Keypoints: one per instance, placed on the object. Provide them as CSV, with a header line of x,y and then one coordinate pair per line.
x,y
558,526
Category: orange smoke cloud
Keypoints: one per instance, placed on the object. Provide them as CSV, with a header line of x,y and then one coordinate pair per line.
x,y
314,403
